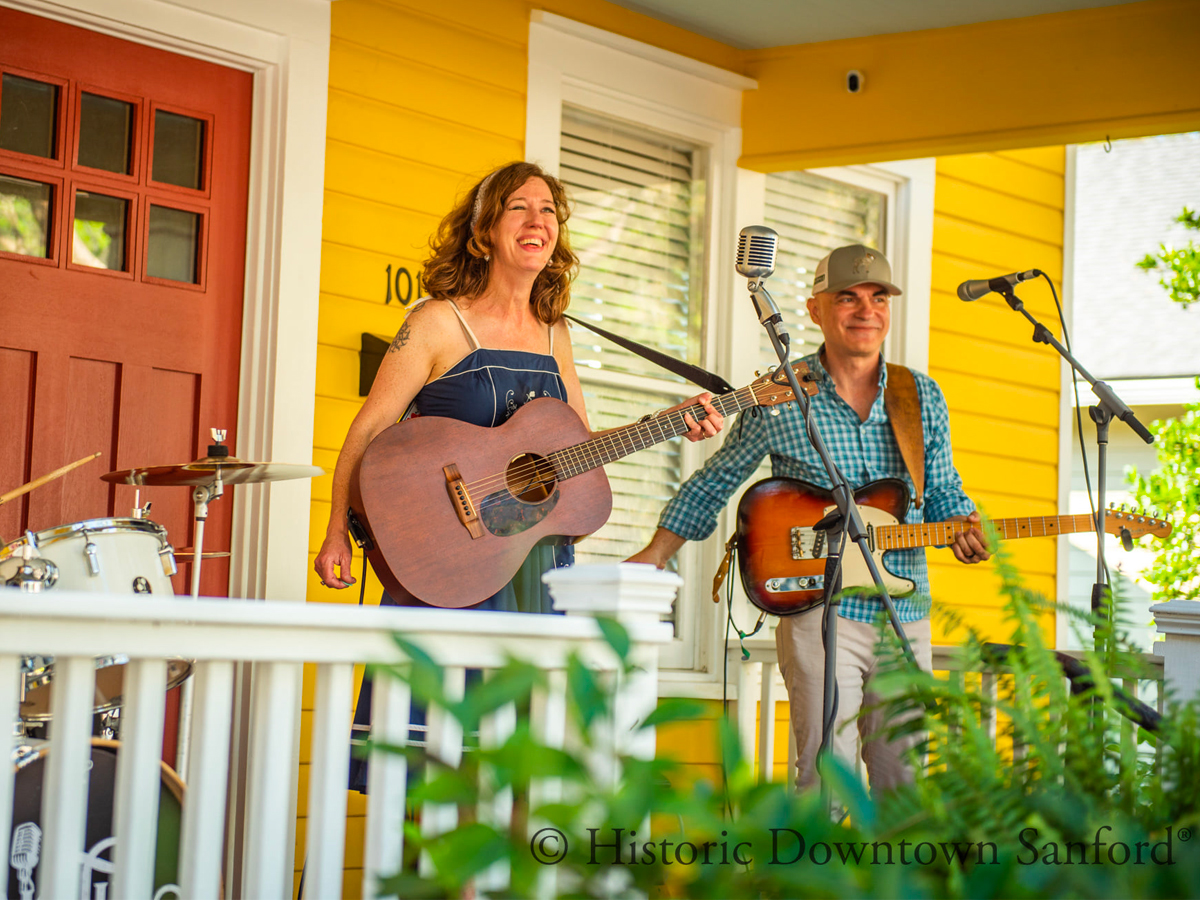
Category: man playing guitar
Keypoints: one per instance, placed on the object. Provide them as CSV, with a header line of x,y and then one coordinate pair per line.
x,y
851,304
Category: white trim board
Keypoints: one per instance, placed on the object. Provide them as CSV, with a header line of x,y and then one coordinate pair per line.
x,y
285,44
658,91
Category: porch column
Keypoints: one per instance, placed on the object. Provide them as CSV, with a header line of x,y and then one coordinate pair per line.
x,y
638,596
1179,620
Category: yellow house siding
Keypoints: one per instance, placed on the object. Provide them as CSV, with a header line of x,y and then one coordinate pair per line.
x,y
1124,71
996,213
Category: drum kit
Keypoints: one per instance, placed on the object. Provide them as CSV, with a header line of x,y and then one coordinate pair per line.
x,y
111,556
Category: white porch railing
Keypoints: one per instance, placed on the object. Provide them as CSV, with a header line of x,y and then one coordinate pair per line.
x,y
278,638
756,680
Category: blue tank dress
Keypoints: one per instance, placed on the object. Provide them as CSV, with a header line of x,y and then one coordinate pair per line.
x,y
485,388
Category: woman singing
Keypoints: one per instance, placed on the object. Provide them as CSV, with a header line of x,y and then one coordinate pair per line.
x,y
489,337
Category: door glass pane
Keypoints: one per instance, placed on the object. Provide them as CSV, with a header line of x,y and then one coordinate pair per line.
x,y
174,242
99,239
24,217
28,115
178,149
105,133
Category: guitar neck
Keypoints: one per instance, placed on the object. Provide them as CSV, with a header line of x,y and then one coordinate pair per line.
x,y
620,442
926,534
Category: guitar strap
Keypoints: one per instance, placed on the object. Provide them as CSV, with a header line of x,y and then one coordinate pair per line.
x,y
714,384
904,412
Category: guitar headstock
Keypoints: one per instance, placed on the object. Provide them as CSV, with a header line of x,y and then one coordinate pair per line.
x,y
1137,523
773,388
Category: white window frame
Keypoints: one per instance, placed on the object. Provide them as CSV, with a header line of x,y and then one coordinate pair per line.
x,y
678,97
586,67
908,186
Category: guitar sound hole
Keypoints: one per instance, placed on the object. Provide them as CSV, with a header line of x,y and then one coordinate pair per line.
x,y
530,478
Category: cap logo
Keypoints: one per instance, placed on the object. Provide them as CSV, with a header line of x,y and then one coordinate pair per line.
x,y
819,279
863,263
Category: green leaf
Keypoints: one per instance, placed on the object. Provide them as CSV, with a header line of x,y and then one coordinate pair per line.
x,y
616,636
674,709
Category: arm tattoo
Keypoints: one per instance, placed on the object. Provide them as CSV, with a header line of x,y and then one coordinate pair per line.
x,y
405,333
401,338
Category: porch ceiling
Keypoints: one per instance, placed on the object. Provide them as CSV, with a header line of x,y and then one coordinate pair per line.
x,y
754,24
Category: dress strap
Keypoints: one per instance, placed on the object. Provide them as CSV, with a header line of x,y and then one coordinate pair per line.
x,y
551,327
466,328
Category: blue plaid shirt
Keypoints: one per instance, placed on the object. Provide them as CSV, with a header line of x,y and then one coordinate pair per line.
x,y
864,451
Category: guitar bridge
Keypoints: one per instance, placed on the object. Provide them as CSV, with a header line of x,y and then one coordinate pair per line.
x,y
464,507
808,544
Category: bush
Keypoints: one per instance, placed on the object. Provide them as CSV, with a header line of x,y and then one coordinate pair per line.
x,y
978,821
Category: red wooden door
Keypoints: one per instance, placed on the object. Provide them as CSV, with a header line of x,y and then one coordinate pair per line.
x,y
123,192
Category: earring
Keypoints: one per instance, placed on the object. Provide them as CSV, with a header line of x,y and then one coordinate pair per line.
x,y
487,257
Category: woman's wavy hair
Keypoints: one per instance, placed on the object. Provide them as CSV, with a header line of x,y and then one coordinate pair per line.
x,y
458,264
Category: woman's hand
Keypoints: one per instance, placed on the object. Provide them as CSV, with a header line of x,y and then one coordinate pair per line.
x,y
706,427
334,561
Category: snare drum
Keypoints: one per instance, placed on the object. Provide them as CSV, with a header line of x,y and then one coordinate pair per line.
x,y
29,761
111,556
38,672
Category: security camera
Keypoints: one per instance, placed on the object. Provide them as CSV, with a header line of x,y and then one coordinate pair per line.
x,y
854,81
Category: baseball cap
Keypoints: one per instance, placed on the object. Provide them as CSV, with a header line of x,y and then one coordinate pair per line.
x,y
855,264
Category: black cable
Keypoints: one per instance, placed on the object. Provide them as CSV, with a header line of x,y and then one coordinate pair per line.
x,y
1087,477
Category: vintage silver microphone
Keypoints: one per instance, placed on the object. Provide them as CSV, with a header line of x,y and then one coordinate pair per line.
x,y
757,245
26,851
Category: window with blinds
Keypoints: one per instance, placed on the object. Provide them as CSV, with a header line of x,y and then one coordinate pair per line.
x,y
813,216
637,227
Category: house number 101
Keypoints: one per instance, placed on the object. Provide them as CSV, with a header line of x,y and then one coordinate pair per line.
x,y
402,284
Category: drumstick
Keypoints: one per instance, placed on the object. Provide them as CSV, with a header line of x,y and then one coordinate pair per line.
x,y
38,482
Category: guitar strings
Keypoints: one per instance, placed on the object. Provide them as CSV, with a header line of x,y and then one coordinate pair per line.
x,y
528,472
614,440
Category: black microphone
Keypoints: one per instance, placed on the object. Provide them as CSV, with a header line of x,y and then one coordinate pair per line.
x,y
756,260
973,290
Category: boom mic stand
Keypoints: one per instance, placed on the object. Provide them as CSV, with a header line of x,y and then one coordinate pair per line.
x,y
845,523
1110,405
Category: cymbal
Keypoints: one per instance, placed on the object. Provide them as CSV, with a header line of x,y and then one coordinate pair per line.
x,y
205,471
188,554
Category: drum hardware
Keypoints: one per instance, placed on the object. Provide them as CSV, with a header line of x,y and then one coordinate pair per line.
x,y
208,477
32,574
188,554
38,683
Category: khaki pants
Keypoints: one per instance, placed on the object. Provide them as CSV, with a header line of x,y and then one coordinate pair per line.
x,y
802,663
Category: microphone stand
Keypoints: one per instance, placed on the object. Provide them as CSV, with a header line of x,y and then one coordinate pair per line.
x,y
1110,406
845,523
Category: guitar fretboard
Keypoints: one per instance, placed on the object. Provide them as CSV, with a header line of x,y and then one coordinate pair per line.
x,y
926,534
620,442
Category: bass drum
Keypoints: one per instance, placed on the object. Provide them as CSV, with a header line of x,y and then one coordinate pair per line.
x,y
29,760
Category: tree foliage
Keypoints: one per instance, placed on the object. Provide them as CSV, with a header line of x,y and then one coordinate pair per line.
x,y
1179,270
1174,489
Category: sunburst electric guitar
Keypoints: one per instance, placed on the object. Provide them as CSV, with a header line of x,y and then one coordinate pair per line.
x,y
782,559
451,509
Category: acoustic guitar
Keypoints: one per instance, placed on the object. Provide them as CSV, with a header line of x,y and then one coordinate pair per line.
x,y
451,509
782,558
